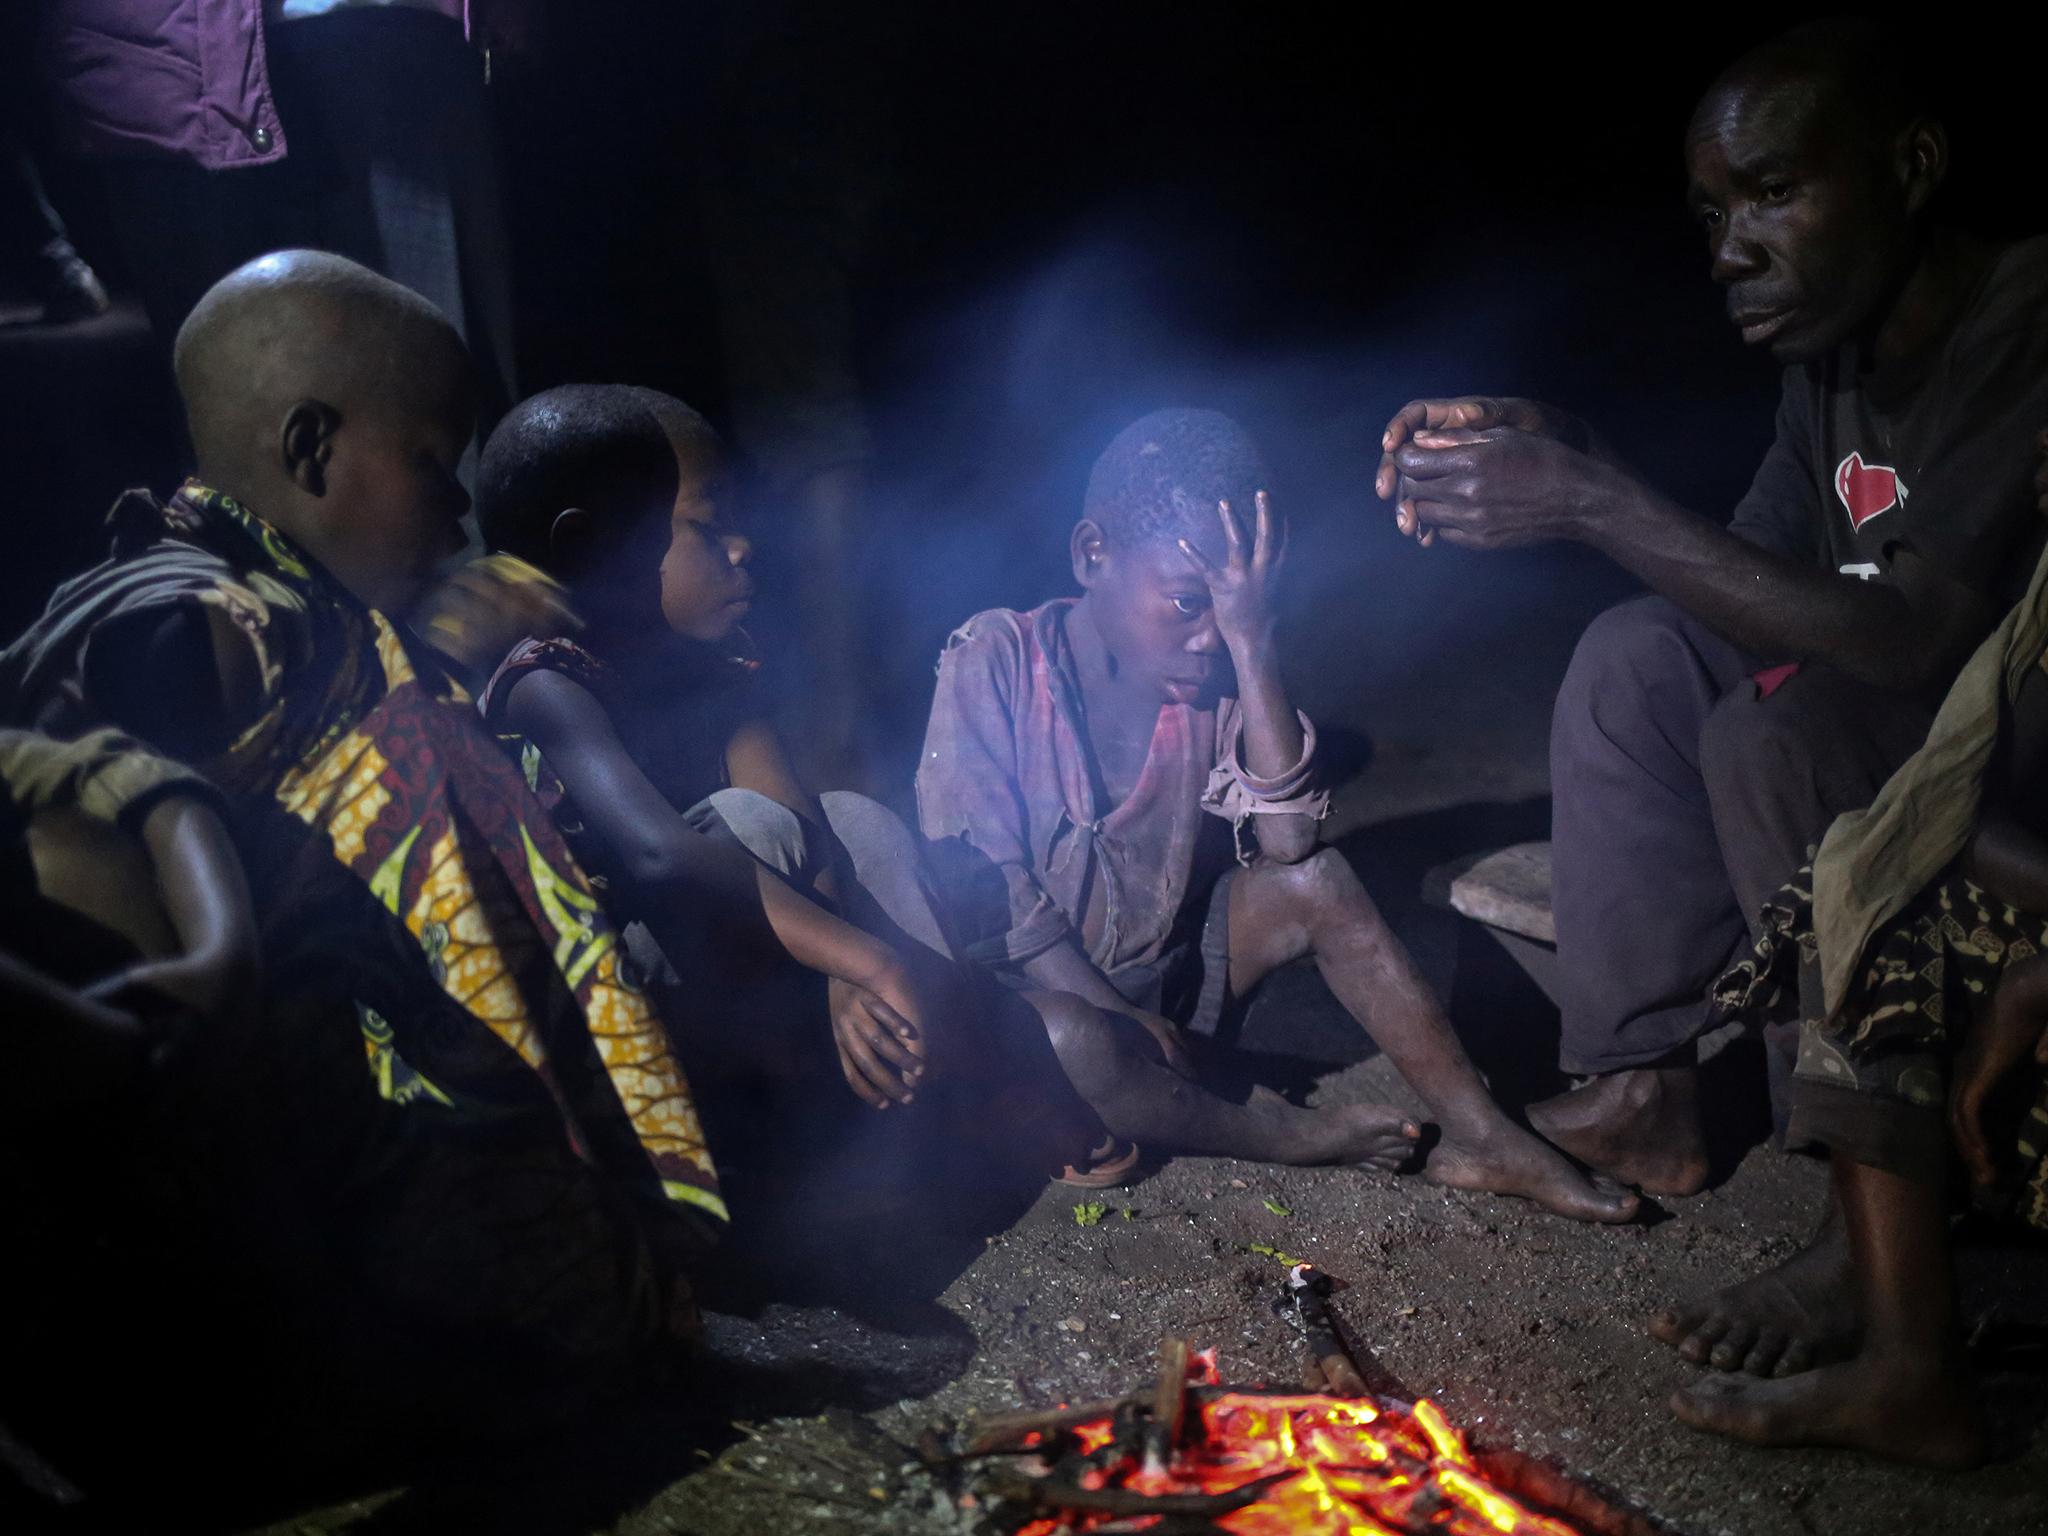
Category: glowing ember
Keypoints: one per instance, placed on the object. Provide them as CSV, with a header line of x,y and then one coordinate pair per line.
x,y
1349,1466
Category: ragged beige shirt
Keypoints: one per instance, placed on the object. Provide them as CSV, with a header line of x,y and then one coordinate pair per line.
x,y
1021,845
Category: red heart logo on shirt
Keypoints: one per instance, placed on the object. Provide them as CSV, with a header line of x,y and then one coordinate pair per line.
x,y
1866,489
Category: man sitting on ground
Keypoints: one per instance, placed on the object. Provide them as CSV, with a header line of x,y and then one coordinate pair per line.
x,y
1705,737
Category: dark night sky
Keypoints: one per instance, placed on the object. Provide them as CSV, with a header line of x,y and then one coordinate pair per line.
x,y
1305,214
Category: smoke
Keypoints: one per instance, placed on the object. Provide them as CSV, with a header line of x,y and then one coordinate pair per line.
x,y
993,408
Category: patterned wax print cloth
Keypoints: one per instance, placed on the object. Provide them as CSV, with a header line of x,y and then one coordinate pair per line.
x,y
348,727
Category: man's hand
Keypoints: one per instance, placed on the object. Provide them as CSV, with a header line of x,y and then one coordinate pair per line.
x,y
488,606
1240,590
2014,1028
1470,413
1498,488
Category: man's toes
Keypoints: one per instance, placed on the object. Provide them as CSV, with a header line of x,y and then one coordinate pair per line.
x,y
1698,1344
1673,1326
1587,1203
1765,1353
1798,1356
1732,1348
1717,1404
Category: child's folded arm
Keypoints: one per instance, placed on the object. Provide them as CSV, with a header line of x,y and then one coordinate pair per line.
x,y
662,853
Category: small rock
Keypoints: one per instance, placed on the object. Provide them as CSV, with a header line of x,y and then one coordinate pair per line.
x,y
1073,1325
1239,1184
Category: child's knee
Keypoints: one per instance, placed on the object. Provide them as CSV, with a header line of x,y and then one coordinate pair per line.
x,y
1320,883
767,829
1082,1037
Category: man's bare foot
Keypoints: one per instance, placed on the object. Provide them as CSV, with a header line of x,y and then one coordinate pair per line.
x,y
1781,1322
1641,1126
1887,1402
1359,1135
1509,1161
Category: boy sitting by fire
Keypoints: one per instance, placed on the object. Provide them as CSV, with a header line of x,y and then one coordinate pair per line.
x,y
649,725
1120,802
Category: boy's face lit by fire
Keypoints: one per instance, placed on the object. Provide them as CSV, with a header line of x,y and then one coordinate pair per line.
x,y
705,588
1152,609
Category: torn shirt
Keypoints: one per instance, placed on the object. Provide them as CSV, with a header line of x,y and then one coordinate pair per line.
x,y
1025,848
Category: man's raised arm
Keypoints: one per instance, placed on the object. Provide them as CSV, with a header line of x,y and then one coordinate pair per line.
x,y
1494,474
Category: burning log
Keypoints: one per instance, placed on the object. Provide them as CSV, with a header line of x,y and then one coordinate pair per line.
x,y
1050,1493
1535,1483
1002,1432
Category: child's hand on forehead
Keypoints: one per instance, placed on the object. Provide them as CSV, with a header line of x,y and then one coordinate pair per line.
x,y
1241,589
488,606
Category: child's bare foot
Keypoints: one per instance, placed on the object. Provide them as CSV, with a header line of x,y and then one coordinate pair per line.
x,y
1783,1321
1358,1135
1641,1126
1509,1161
1887,1402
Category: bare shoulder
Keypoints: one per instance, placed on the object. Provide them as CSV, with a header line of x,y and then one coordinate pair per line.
x,y
548,705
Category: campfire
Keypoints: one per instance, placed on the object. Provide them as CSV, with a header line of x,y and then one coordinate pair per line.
x,y
1194,1456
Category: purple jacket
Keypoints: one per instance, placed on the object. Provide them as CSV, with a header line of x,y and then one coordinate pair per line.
x,y
185,79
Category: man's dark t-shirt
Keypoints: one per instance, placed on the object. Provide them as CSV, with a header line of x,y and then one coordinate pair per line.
x,y
1941,461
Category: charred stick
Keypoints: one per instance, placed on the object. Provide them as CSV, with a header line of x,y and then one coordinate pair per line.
x,y
1551,1492
1309,1291
1001,1430
1169,1402
1056,1494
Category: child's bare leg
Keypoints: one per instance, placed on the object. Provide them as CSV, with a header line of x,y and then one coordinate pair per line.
x,y
1280,912
1113,1067
1903,1394
1108,1062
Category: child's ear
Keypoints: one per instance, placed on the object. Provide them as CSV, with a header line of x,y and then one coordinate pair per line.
x,y
569,537
1090,552
306,442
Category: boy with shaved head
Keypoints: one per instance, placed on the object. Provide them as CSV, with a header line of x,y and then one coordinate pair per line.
x,y
1121,803
253,626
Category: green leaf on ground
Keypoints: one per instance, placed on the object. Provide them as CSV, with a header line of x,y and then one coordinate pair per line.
x,y
1276,1207
1088,1215
1278,1255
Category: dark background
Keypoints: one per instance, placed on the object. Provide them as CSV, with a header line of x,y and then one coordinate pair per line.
x,y
1075,213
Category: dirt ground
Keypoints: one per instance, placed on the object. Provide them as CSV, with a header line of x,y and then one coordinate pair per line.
x,y
898,1315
